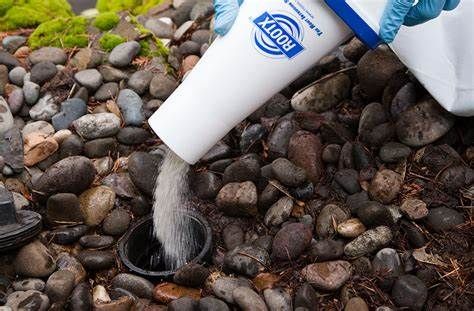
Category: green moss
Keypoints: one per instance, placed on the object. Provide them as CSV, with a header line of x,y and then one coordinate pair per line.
x,y
61,32
145,49
109,41
134,6
146,5
31,13
150,45
116,5
106,21
161,49
139,27
5,5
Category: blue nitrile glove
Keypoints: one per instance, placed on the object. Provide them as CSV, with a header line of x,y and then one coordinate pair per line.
x,y
403,12
226,13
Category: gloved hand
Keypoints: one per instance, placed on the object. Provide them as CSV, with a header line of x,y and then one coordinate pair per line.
x,y
403,12
226,13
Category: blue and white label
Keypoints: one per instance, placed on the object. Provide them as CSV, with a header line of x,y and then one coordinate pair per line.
x,y
278,35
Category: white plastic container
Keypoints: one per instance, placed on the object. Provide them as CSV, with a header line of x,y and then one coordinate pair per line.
x,y
440,52
240,71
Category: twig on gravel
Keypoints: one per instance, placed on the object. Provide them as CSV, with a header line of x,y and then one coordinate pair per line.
x,y
18,32
332,74
254,258
285,192
421,176
73,88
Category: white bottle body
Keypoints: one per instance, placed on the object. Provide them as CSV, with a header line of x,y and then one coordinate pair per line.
x,y
242,70
439,52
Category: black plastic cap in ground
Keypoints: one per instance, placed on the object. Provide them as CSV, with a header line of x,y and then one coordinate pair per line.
x,y
138,243
16,227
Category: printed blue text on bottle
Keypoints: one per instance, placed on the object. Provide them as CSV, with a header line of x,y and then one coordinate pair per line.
x,y
278,35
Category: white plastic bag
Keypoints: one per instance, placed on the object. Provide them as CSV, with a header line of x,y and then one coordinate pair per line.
x,y
440,53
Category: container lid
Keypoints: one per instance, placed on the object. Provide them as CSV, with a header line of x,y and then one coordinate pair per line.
x,y
360,28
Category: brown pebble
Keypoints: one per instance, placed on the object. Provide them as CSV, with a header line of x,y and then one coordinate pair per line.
x,y
414,209
38,148
356,304
351,228
385,186
167,292
329,275
188,63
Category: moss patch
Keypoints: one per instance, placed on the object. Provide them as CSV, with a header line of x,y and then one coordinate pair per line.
x,y
109,41
30,13
134,6
61,32
139,27
106,21
160,48
5,5
150,46
145,49
146,5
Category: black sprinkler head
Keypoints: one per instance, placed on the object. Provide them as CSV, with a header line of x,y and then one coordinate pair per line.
x,y
16,227
139,250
